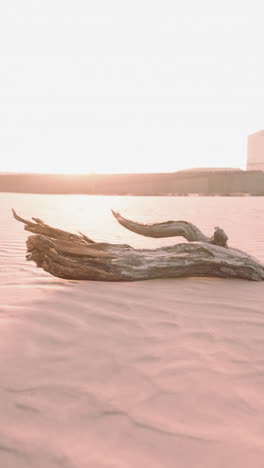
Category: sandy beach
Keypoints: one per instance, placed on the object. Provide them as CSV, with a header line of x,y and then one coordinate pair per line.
x,y
159,374
161,103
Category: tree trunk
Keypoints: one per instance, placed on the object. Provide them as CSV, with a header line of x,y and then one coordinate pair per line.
x,y
73,256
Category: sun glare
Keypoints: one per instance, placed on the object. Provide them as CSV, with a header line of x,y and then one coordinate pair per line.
x,y
89,95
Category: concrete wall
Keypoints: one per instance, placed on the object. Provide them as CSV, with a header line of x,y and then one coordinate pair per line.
x,y
203,183
241,182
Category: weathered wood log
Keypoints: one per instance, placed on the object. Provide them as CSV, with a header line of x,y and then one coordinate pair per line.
x,y
73,256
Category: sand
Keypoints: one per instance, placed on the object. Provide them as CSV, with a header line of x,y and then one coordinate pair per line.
x,y
160,374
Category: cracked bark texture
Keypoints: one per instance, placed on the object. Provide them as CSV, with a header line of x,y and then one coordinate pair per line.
x,y
76,256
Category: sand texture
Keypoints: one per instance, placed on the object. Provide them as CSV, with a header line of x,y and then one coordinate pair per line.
x,y
160,373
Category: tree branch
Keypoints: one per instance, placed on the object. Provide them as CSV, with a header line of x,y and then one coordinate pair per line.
x,y
73,256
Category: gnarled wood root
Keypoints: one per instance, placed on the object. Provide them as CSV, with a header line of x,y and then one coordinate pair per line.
x,y
167,229
73,256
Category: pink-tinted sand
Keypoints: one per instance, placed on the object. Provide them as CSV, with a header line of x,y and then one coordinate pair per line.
x,y
160,374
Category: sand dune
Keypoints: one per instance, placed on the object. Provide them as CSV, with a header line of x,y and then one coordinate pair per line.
x,y
161,373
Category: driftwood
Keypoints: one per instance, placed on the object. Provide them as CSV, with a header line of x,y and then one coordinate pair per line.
x,y
76,256
172,229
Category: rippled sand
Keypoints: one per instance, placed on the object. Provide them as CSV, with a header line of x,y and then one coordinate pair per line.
x,y
159,374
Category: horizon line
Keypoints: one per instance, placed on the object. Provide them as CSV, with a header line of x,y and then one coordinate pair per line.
x,y
206,168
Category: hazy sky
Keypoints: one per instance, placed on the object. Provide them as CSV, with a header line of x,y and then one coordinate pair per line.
x,y
129,86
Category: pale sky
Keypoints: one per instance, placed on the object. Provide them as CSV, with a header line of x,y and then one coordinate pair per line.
x,y
129,86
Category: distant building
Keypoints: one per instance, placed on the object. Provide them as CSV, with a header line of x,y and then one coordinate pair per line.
x,y
255,156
